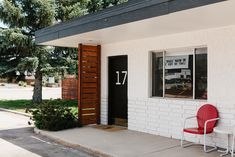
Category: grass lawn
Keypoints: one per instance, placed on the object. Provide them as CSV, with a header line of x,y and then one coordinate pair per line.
x,y
21,105
16,105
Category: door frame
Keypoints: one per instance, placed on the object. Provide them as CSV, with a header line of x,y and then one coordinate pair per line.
x,y
109,108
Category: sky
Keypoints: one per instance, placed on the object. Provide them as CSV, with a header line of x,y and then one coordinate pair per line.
x,y
1,24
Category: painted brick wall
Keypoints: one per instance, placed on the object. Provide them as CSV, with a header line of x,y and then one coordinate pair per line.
x,y
104,111
165,116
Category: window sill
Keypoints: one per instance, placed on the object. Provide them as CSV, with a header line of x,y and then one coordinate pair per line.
x,y
179,99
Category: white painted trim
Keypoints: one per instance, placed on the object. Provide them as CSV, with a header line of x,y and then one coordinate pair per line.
x,y
174,52
163,74
150,84
194,73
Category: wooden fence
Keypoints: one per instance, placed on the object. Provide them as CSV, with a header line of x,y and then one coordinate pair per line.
x,y
89,84
70,89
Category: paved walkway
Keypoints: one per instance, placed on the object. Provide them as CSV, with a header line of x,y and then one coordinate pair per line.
x,y
11,150
17,139
8,149
126,143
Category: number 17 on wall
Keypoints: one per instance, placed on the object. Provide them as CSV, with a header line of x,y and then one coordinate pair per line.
x,y
118,77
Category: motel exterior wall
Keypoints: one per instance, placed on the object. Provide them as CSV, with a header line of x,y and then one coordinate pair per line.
x,y
164,116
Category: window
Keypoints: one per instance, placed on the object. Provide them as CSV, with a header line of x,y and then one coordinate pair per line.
x,y
201,73
179,76
173,74
157,61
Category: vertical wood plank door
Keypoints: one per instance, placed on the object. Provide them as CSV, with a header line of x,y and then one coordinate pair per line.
x,y
89,84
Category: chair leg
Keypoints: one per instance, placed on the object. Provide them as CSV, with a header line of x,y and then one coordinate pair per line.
x,y
182,139
182,144
205,146
225,152
232,149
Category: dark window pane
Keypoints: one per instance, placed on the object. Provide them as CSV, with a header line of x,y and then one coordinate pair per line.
x,y
201,73
157,74
179,76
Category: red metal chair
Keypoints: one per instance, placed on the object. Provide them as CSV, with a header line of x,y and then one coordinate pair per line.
x,y
207,117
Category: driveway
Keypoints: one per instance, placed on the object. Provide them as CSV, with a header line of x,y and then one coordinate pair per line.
x,y
18,140
14,92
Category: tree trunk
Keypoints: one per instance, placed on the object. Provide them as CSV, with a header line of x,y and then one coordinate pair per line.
x,y
37,91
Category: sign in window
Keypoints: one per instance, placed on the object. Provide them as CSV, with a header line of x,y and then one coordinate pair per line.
x,y
180,76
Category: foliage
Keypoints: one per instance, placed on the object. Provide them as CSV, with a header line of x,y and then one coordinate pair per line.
x,y
96,5
69,9
71,104
51,116
28,15
26,105
68,57
15,104
12,49
24,17
18,50
61,102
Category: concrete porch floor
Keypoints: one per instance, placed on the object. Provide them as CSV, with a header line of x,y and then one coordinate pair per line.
x,y
126,143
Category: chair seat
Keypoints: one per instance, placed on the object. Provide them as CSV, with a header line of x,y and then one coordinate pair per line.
x,y
197,131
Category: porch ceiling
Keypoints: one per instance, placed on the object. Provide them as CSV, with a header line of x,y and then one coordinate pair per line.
x,y
205,17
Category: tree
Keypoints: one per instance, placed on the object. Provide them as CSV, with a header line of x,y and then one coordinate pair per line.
x,y
96,5
11,47
66,10
18,50
69,9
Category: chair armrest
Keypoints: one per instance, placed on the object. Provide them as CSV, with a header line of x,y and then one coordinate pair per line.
x,y
187,118
208,121
190,117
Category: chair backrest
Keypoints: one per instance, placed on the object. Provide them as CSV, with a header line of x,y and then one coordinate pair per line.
x,y
205,113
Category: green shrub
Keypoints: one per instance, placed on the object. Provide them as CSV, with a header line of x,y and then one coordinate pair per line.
x,y
54,116
68,103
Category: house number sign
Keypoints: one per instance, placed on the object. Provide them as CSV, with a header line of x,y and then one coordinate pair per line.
x,y
119,81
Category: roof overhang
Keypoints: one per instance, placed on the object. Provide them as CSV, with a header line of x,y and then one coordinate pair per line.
x,y
146,18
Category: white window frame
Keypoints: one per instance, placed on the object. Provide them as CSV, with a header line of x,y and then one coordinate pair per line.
x,y
194,70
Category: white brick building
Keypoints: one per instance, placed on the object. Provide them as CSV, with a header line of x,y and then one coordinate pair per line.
x,y
174,28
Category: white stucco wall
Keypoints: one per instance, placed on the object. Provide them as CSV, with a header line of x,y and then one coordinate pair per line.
x,y
165,116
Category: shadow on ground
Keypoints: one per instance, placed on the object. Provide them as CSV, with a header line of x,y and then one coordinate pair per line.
x,y
26,139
